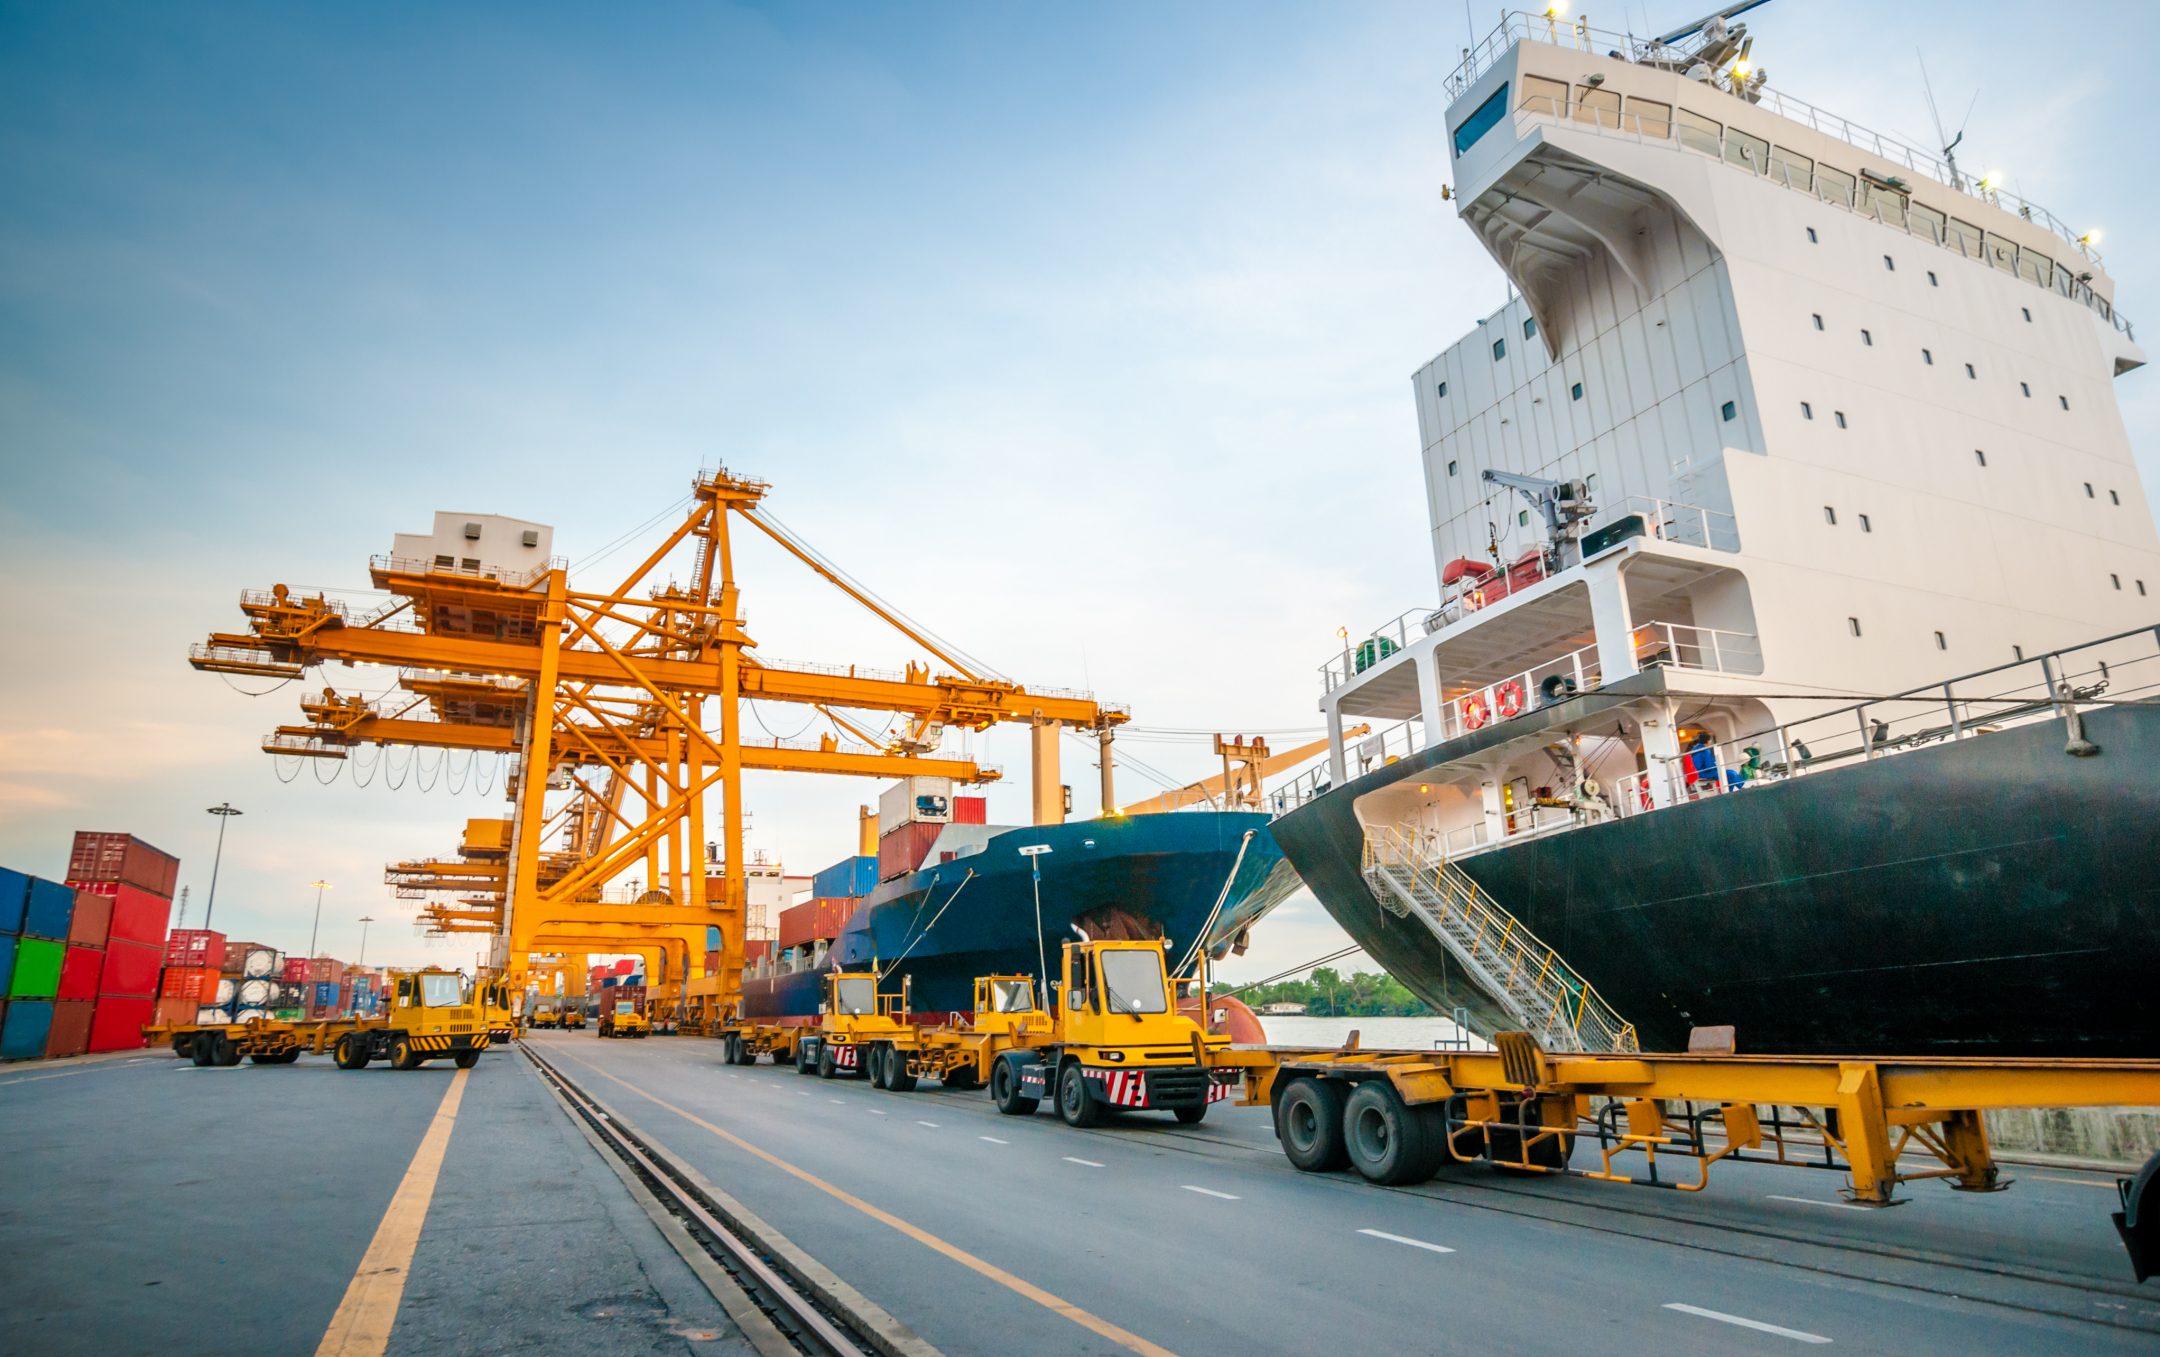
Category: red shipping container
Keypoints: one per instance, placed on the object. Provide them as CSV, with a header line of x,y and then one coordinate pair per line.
x,y
93,920
904,849
137,914
196,984
117,1023
296,971
323,971
131,971
971,810
712,963
194,947
70,1028
793,924
175,1012
761,948
122,857
79,971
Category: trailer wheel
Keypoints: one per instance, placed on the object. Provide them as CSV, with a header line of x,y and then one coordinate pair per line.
x,y
183,1045
225,1052
731,1050
1076,1102
897,1077
873,1063
806,1056
203,1050
465,1060
960,1078
1309,1123
1005,1091
352,1052
1388,1142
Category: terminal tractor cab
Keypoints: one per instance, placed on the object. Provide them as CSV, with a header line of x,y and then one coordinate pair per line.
x,y
621,1018
431,1017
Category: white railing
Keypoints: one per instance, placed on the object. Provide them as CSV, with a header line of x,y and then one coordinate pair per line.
x,y
1518,26
1671,645
1689,525
427,565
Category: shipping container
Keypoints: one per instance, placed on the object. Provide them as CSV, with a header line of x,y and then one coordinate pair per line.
x,y
70,1033
14,896
131,970
122,857
903,850
846,878
226,992
37,968
258,962
294,971
7,961
195,947
289,1014
50,911
196,984
79,970
137,915
208,1014
118,1023
251,1015
256,992
25,1027
326,994
971,810
323,968
176,1012
92,923
293,994
915,800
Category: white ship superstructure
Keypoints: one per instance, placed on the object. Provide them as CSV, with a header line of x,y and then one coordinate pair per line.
x,y
1801,417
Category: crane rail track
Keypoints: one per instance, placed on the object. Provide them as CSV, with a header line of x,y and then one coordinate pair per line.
x,y
770,1279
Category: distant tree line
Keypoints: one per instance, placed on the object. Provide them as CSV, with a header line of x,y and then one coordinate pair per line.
x,y
1329,994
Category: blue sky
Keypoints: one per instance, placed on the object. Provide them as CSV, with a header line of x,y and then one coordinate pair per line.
x,y
1083,332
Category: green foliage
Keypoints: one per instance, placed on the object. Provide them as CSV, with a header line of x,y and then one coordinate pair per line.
x,y
1327,994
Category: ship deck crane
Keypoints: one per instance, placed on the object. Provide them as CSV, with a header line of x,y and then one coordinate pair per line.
x,y
1564,505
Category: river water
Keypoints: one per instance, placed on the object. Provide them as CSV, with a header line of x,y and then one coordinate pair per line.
x,y
1400,1033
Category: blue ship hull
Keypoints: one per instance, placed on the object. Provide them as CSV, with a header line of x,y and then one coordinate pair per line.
x,y
1143,876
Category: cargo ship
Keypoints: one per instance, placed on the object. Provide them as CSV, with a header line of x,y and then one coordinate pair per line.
x,y
1791,665
947,897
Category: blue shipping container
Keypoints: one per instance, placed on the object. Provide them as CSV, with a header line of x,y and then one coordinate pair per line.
x,y
7,962
29,1022
849,878
14,894
326,994
51,910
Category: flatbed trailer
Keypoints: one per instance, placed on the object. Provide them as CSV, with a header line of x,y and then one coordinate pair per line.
x,y
1401,1116
354,1042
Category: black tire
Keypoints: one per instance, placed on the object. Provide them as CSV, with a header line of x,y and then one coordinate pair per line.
x,y
228,1053
826,1068
806,1057
1005,1091
1190,1116
267,1058
183,1045
1076,1102
402,1055
352,1052
1309,1123
877,1059
1389,1143
731,1050
960,1079
897,1077
465,1060
203,1050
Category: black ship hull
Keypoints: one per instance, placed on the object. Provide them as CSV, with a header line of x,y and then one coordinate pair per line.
x,y
1992,896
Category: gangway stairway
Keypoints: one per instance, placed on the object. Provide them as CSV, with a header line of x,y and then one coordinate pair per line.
x,y
1541,994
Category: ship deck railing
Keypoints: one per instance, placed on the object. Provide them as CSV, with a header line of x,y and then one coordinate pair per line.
x,y
1518,26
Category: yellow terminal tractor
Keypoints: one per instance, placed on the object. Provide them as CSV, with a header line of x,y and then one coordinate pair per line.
x,y
431,1017
494,998
621,1018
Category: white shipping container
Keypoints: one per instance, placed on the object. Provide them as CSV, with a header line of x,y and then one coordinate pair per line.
x,y
262,961
915,800
207,1014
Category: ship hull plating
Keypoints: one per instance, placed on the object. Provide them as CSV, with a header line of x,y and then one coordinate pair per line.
x,y
1992,896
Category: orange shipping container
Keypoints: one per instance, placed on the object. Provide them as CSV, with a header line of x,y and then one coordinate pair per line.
x,y
196,984
175,1012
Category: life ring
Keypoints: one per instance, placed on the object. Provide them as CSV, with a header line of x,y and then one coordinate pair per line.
x,y
1474,712
1508,698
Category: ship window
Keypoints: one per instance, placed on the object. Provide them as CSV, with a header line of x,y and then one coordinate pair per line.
x,y
1540,95
2028,314
1791,168
1522,519
2089,491
1730,411
1442,391
2115,580
1450,468
1499,349
2017,652
1964,237
1590,483
1698,133
1811,235
1866,526
469,563
2065,401
1833,186
1829,515
1854,623
1933,281
446,561
1482,119
1922,217
2114,498
1979,456
1752,153
1927,356
1649,118
1575,392
1838,415
1940,642
1970,373
1867,339
1999,252
1883,203
1529,327
1599,106
2141,588
1889,264
2036,269
1807,411
1818,320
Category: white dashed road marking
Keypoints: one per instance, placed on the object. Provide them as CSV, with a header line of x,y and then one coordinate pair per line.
x,y
1812,1201
1209,1192
1405,1239
931,1124
994,1140
1746,1323
1089,1163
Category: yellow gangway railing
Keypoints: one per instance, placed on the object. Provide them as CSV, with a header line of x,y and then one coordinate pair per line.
x,y
1533,977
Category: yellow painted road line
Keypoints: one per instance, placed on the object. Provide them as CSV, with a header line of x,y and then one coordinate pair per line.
x,y
1056,1305
2107,1184
361,1327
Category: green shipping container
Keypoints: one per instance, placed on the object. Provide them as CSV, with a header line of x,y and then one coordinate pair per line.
x,y
289,1014
37,969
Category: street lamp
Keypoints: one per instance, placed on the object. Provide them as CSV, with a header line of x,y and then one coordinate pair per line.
x,y
365,920
224,811
313,933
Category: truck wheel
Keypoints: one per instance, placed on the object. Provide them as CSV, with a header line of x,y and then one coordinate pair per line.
x,y
401,1055
1190,1116
1005,1091
227,1053
466,1059
352,1052
1309,1122
873,1063
825,1066
184,1045
731,1050
203,1050
1076,1102
1388,1142
897,1077
806,1057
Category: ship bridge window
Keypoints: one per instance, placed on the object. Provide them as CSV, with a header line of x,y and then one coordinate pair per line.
x,y
1925,220
1999,252
1648,118
1730,411
1833,186
1529,327
1451,468
1796,170
1599,106
1964,237
1698,133
1927,356
1883,203
2036,269
1748,152
1575,393
1482,119
1499,349
1541,95
1867,339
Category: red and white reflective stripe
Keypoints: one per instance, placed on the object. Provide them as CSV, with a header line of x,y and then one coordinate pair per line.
x,y
1123,1088
1217,1092
843,1057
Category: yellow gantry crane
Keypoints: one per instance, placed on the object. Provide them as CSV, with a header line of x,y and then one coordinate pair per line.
x,y
606,696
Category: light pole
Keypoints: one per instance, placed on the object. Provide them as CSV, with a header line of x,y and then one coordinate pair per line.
x,y
316,931
365,920
224,811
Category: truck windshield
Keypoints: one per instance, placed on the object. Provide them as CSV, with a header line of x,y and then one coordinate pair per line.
x,y
441,991
623,1006
1011,996
1135,981
857,995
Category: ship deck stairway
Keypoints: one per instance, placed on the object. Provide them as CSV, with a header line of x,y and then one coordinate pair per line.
x,y
1541,992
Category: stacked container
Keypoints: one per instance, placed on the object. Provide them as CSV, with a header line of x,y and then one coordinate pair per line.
x,y
193,981
137,879
42,912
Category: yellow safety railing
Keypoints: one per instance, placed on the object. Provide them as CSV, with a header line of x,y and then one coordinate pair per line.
x,y
1497,942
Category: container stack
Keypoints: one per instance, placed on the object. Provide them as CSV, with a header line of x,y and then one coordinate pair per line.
x,y
248,982
193,978
911,814
136,882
